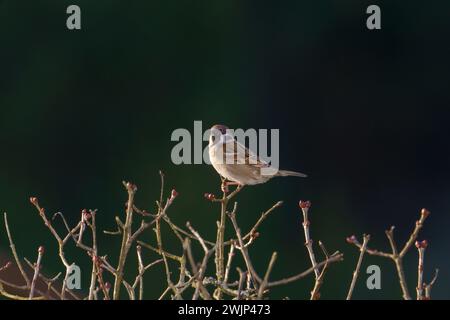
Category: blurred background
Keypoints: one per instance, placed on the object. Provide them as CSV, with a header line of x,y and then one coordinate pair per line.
x,y
364,113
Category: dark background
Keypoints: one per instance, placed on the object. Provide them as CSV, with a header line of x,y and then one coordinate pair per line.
x,y
364,113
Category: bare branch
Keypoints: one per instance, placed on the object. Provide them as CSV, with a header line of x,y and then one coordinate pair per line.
x,y
363,249
37,268
14,252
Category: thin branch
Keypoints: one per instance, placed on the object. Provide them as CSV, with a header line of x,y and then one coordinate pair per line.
x,y
242,277
424,213
242,248
160,252
315,293
14,252
304,206
266,276
363,249
430,285
263,217
162,212
93,227
420,284
141,270
228,266
201,272
126,234
335,258
37,268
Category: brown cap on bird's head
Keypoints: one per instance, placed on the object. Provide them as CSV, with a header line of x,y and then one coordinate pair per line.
x,y
220,127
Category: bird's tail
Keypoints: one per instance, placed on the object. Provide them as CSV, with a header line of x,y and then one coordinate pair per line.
x,y
287,173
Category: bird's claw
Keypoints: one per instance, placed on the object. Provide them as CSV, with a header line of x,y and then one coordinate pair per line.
x,y
224,187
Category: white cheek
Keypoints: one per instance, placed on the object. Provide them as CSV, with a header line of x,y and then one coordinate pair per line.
x,y
226,138
213,141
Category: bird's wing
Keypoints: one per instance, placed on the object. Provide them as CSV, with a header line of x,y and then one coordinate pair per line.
x,y
242,155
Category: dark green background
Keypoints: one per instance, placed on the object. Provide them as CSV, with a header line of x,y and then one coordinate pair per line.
x,y
364,113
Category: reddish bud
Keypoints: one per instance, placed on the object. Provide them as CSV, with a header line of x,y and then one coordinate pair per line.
x,y
304,204
255,235
173,194
86,215
424,212
421,244
107,285
131,187
41,250
209,196
351,239
34,201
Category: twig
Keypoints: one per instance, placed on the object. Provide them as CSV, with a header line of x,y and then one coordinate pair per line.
x,y
8,295
161,212
424,213
263,285
243,249
253,233
228,267
315,293
304,206
126,234
421,246
363,249
202,270
165,292
429,286
219,257
85,217
37,267
179,231
263,217
334,258
160,252
242,277
6,266
141,270
14,252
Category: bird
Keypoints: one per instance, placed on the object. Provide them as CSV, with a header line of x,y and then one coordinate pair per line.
x,y
235,163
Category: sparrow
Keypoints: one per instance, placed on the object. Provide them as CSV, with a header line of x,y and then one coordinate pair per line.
x,y
237,164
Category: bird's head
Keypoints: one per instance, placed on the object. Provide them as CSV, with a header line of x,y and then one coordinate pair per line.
x,y
220,128
218,132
